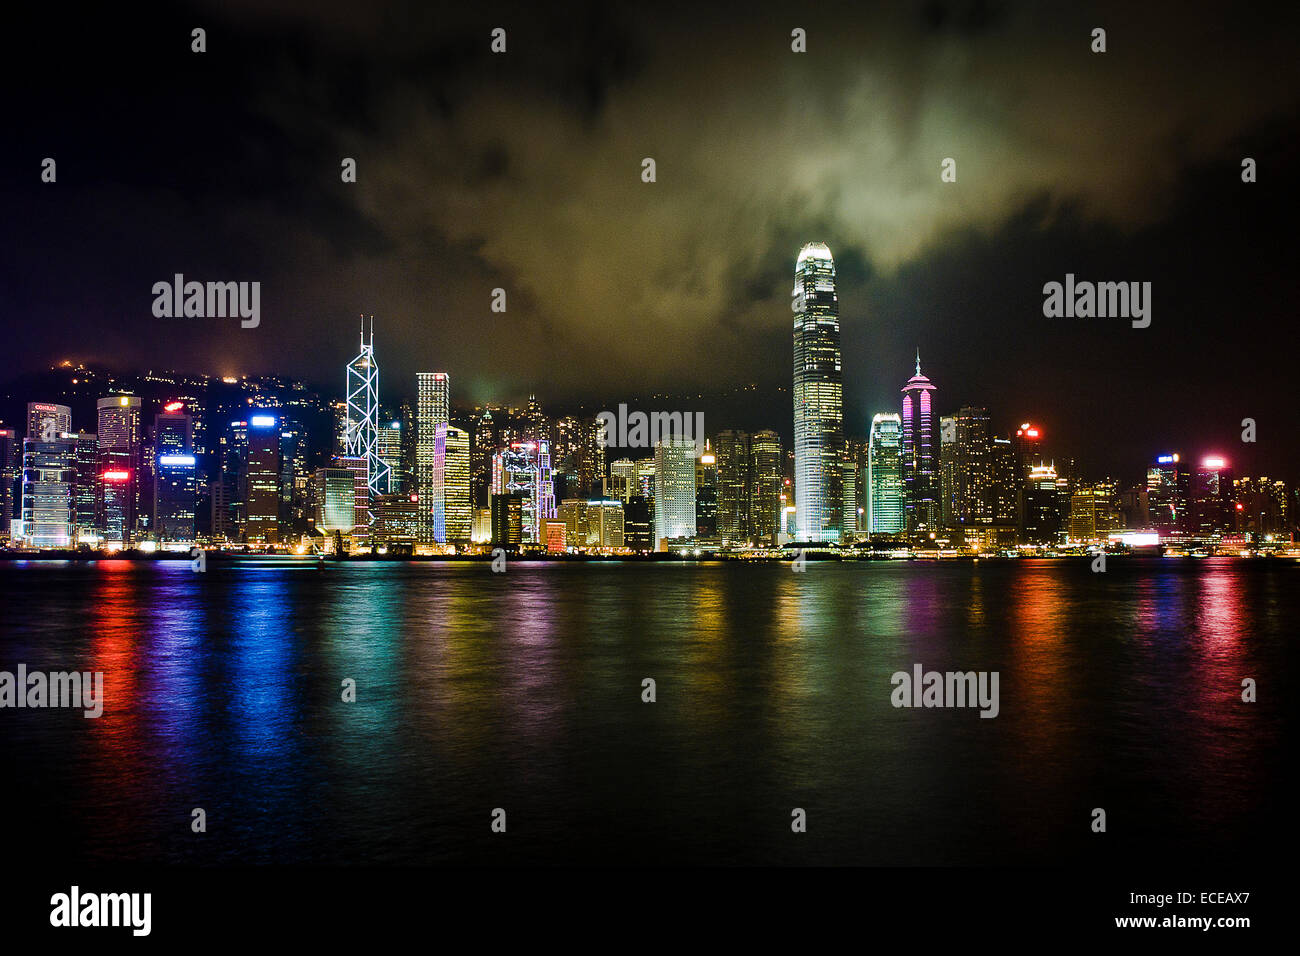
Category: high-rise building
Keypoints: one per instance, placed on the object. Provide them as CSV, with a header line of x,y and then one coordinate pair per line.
x,y
85,486
764,492
886,497
388,445
1168,485
947,470
524,469
11,467
733,461
675,489
120,460
452,519
622,478
638,524
174,468
397,523
362,429
1004,489
919,447
706,496
592,524
1043,512
818,398
262,480
335,497
49,470
972,501
507,518
1213,509
433,408
46,421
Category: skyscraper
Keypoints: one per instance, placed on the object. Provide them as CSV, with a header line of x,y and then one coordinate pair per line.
x,y
1211,497
335,496
452,519
920,467
1167,492
764,492
886,498
818,397
174,466
262,480
362,428
674,489
49,468
11,457
433,408
46,422
706,495
733,460
119,464
972,500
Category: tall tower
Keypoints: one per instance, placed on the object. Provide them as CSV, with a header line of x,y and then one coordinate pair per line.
x,y
886,500
362,424
119,465
920,468
675,488
818,398
432,409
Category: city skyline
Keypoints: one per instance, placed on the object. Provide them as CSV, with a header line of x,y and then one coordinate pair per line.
x,y
462,196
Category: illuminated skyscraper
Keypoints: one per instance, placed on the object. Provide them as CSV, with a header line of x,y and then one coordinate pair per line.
x,y
433,408
674,488
362,428
972,498
524,471
764,491
452,519
733,459
622,478
175,470
119,466
388,445
818,397
886,499
11,457
85,490
1044,515
335,501
919,446
46,422
706,495
49,469
1167,492
1211,499
262,480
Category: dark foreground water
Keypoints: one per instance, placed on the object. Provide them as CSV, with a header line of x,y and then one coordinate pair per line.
x,y
523,691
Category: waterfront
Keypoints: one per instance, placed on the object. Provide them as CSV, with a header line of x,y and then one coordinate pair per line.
x,y
522,690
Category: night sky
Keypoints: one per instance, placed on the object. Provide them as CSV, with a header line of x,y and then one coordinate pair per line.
x,y
522,171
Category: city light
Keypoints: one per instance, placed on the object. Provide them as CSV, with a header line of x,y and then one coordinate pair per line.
x,y
116,475
177,460
262,421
